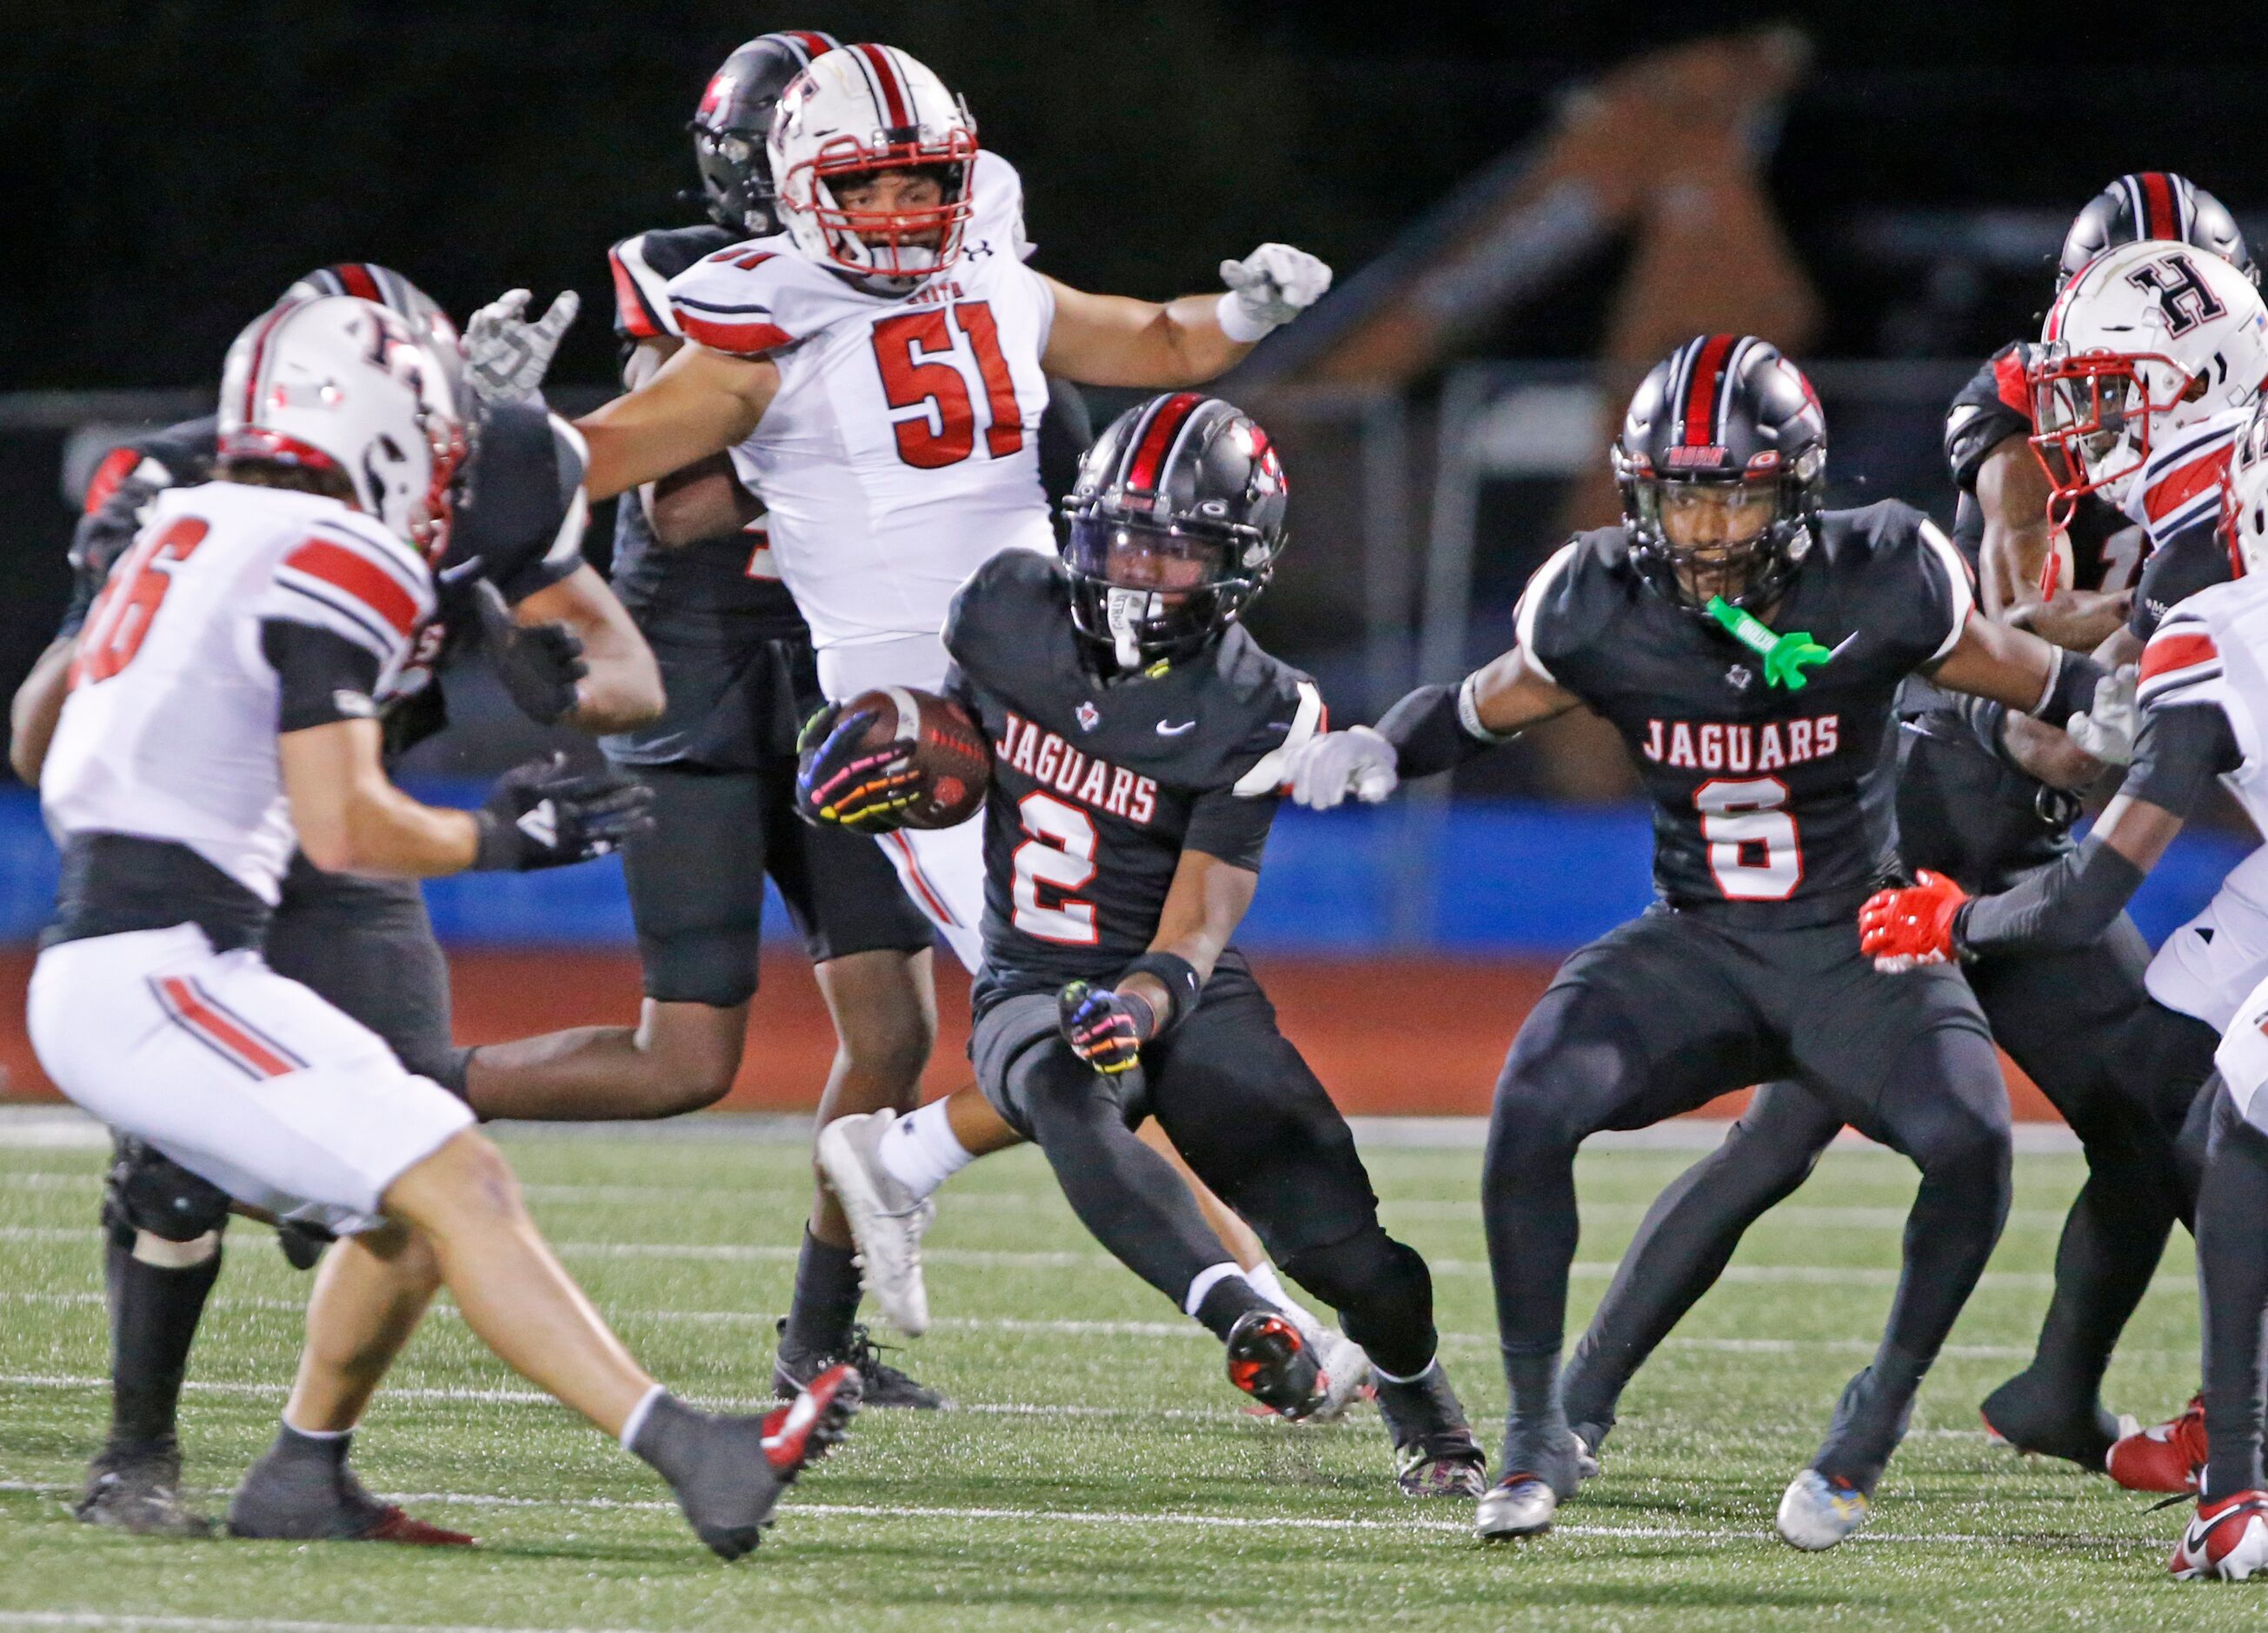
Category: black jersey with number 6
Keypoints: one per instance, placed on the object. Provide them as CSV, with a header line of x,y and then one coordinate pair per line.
x,y
1099,787
1771,805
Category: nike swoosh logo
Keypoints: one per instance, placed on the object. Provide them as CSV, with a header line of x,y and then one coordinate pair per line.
x,y
1165,730
1836,651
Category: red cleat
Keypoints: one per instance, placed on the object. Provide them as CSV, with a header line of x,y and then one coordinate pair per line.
x,y
2227,1541
393,1525
2166,1457
802,1431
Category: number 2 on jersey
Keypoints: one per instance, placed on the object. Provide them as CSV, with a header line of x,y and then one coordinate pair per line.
x,y
122,613
1058,857
1754,848
916,352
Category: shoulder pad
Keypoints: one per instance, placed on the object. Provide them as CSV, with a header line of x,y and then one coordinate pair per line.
x,y
759,297
2183,656
1287,710
1561,602
641,266
1995,405
995,196
1017,590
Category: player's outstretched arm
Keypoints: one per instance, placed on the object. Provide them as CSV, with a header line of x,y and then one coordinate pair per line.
x,y
1434,728
620,685
1107,1026
2066,689
2011,491
701,402
1111,340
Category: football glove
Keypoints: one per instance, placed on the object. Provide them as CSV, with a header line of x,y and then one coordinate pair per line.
x,y
505,355
841,784
538,663
1902,929
2108,730
1105,1029
107,531
542,815
1268,288
1330,765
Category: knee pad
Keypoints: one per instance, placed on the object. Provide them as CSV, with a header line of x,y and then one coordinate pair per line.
x,y
148,1192
1383,1293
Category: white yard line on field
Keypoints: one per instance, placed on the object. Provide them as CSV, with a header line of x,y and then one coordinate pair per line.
x,y
254,1624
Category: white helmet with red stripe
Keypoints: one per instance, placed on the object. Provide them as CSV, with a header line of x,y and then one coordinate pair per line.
x,y
2148,338
2244,498
856,113
342,385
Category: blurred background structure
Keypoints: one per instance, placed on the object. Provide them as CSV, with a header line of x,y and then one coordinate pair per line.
x,y
1525,205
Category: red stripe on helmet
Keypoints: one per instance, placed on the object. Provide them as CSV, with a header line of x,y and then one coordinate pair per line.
x,y
358,281
1700,415
116,466
898,109
813,41
2161,220
1142,472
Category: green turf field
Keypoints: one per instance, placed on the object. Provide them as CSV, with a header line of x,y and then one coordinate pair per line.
x,y
1098,1474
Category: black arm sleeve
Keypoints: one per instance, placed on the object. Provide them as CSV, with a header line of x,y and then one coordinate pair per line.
x,y
1231,827
2072,901
323,677
1428,733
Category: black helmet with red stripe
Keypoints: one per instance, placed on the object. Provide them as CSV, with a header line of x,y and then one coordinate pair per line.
x,y
735,118
1722,463
2152,204
1175,526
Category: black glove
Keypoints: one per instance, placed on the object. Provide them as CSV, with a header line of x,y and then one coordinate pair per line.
x,y
840,784
538,663
1105,1029
104,533
542,815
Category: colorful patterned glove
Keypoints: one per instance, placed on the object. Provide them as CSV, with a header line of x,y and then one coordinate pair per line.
x,y
839,783
1105,1029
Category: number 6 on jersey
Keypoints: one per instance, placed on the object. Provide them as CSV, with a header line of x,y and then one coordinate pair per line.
x,y
1754,851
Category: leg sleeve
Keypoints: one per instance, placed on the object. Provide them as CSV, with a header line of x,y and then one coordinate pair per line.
x,y
696,884
366,947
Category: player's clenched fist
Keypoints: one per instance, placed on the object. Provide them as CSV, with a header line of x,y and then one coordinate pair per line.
x,y
1329,767
1268,288
1105,1029
1900,929
542,815
842,780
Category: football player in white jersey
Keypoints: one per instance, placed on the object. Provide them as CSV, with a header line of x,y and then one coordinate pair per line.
x,y
220,715
2203,694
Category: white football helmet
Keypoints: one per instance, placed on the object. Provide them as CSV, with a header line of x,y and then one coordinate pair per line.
x,y
2244,498
855,112
342,384
2147,339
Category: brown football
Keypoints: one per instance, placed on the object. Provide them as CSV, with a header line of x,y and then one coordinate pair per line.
x,y
955,761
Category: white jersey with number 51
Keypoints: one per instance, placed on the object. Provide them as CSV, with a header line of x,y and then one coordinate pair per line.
x,y
902,450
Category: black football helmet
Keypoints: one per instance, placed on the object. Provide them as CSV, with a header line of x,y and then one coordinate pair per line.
x,y
735,117
1725,411
1175,525
2153,203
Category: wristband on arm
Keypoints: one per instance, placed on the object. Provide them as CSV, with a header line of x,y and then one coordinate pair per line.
x,y
2071,688
1437,729
1177,975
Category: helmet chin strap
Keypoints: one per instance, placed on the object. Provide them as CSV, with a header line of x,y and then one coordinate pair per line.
x,y
1124,611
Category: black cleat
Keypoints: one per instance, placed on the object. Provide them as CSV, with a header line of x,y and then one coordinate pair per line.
x,y
138,1489
880,1384
1434,1451
2024,1415
730,1472
1269,1360
292,1494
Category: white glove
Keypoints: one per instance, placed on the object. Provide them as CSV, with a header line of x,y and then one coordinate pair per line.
x,y
2108,730
505,355
1326,769
1268,288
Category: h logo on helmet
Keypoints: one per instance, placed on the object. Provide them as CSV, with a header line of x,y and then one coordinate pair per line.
x,y
2183,294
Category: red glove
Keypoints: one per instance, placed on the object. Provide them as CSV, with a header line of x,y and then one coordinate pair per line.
x,y
1899,929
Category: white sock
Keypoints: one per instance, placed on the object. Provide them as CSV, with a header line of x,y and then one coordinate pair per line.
x,y
1423,1373
1263,1277
1203,1283
920,1151
635,1421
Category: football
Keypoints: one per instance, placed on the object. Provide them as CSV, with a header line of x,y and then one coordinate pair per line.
x,y
955,761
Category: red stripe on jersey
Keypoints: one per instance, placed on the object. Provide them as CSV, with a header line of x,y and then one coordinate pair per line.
x,y
116,466
631,317
189,1008
1165,426
359,577
1701,394
2171,650
2008,380
2178,488
898,112
931,899
751,339
2158,202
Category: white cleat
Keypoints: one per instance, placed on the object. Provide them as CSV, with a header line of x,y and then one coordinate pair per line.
x,y
887,1219
1347,1368
2228,1541
1816,1513
1518,1505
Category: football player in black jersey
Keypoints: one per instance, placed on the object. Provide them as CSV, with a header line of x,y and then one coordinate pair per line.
x,y
1748,645
1138,737
514,574
1973,806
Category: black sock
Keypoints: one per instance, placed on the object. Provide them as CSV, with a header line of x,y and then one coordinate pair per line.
x,y
291,1446
1535,1423
669,1439
154,1312
2232,1210
1225,1303
826,1300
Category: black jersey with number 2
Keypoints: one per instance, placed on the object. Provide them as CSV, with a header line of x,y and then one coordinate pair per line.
x,y
1099,787
1770,804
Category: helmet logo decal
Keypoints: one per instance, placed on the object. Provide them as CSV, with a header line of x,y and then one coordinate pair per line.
x,y
1686,455
2183,294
